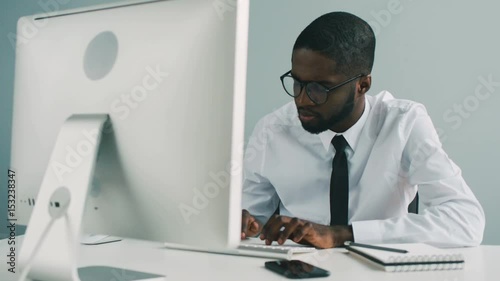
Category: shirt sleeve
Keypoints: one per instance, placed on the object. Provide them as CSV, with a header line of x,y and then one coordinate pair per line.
x,y
452,215
259,195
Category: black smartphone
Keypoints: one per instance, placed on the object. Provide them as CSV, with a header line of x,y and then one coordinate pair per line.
x,y
296,269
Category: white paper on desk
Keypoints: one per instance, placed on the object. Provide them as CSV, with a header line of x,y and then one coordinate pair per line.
x,y
417,252
420,257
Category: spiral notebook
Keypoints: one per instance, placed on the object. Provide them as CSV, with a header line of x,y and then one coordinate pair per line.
x,y
419,257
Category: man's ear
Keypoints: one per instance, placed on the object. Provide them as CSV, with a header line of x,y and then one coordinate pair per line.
x,y
364,84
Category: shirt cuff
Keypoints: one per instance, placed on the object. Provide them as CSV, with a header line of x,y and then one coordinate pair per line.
x,y
367,231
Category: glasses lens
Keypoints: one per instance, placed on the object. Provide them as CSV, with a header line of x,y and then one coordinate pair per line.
x,y
292,87
316,92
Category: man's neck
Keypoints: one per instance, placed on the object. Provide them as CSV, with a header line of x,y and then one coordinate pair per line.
x,y
350,120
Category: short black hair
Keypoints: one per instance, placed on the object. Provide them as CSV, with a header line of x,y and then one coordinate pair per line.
x,y
342,37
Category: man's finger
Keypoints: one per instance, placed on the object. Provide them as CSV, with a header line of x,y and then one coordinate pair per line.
x,y
244,221
289,229
254,227
273,229
301,232
267,226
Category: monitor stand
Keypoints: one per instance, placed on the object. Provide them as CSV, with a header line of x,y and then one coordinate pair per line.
x,y
52,239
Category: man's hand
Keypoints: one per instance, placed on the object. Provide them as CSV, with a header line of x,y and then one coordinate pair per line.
x,y
250,226
279,228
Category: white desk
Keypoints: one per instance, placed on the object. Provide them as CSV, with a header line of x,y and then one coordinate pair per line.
x,y
481,263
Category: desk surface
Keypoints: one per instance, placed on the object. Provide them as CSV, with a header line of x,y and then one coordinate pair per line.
x,y
481,263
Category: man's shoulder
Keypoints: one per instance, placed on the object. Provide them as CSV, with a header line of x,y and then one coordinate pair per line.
x,y
286,115
393,116
384,104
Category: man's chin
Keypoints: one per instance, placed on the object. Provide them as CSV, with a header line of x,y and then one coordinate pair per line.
x,y
313,128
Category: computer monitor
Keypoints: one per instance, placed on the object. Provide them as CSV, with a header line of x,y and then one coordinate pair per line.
x,y
171,77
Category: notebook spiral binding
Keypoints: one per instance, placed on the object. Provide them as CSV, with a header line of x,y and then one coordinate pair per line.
x,y
425,263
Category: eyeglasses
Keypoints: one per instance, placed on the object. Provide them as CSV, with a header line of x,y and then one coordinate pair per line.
x,y
314,90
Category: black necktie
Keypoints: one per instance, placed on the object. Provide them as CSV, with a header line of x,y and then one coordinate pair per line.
x,y
339,183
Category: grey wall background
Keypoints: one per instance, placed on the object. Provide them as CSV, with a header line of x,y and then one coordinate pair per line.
x,y
433,52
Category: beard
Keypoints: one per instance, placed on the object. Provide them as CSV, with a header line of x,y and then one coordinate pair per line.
x,y
323,124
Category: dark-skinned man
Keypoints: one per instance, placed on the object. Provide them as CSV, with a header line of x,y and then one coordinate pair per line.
x,y
339,165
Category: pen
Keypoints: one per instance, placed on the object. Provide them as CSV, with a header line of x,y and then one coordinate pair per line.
x,y
349,243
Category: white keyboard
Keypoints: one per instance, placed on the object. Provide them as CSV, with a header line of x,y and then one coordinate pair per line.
x,y
256,248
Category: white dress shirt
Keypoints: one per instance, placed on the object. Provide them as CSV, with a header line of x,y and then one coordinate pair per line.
x,y
393,151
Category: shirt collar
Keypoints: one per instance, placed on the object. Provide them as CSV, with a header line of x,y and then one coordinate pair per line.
x,y
351,135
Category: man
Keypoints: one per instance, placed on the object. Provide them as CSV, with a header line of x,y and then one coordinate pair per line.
x,y
338,165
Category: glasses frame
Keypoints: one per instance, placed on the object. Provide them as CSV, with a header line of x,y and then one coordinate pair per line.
x,y
304,85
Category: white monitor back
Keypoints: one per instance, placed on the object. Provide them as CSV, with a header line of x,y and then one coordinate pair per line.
x,y
171,76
